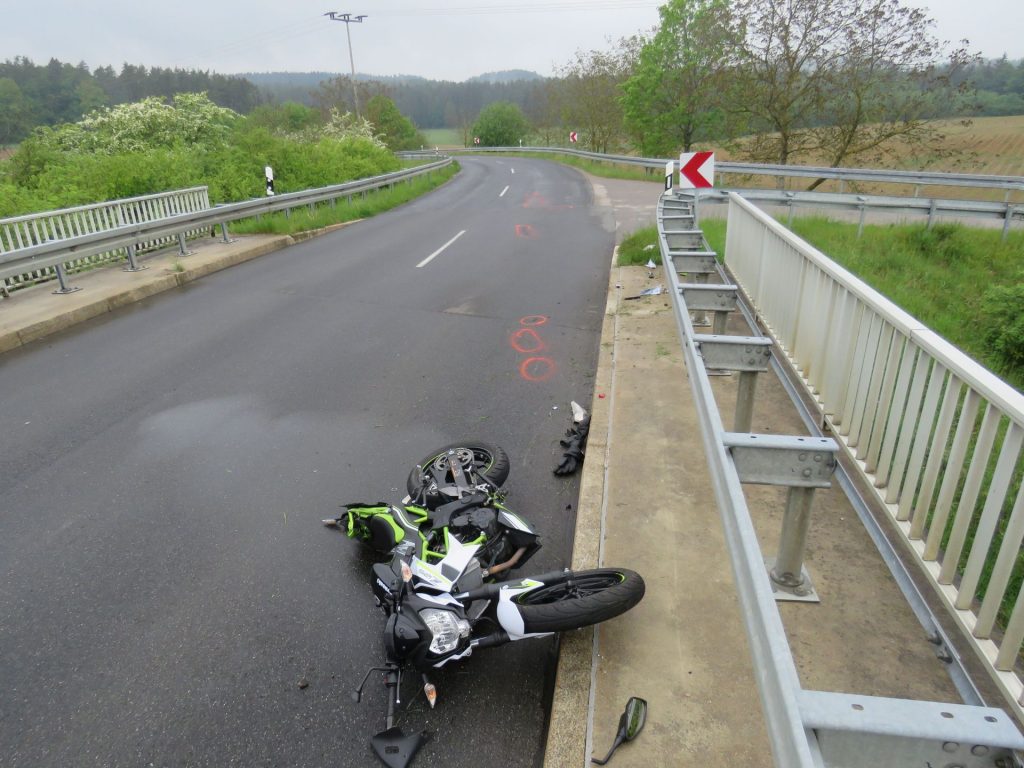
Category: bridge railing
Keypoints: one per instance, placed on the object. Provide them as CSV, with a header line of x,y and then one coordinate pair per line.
x,y
21,232
936,436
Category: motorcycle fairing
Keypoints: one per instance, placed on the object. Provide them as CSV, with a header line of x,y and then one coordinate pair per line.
x,y
507,611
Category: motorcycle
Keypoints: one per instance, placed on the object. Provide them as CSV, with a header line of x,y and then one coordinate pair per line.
x,y
455,492
439,613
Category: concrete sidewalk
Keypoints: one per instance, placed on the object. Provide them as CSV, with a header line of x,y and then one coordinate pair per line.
x,y
646,503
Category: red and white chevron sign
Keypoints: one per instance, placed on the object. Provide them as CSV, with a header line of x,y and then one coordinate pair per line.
x,y
696,170
573,136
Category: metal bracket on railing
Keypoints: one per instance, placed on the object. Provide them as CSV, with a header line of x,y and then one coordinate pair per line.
x,y
694,262
720,299
801,464
857,731
749,356
684,239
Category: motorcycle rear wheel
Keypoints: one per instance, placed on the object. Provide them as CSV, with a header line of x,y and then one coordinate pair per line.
x,y
488,459
579,599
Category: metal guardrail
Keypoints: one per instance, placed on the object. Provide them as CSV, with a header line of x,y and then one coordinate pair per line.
x,y
937,436
21,232
1006,211
932,208
806,728
916,179
53,253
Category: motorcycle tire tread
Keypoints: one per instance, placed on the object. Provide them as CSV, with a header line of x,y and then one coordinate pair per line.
x,y
570,614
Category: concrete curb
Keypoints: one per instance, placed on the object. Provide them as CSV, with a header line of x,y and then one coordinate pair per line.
x,y
567,735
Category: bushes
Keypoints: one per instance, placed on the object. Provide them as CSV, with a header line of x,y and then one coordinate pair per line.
x,y
1003,326
150,147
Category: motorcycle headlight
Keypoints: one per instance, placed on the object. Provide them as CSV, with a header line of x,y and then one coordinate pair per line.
x,y
446,628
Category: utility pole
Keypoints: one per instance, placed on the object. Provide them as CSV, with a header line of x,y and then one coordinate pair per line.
x,y
349,19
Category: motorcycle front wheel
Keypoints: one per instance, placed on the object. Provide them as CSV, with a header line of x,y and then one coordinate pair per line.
x,y
485,458
579,599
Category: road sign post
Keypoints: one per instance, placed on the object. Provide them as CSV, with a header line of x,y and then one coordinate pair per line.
x,y
574,136
670,174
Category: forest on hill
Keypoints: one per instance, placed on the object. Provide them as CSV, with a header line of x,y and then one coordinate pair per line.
x,y
58,92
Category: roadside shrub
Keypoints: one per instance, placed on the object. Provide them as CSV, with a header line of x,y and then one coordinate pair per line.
x,y
1002,314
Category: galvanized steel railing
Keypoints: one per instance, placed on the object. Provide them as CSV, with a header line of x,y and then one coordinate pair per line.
x,y
21,232
916,179
803,297
1007,211
938,437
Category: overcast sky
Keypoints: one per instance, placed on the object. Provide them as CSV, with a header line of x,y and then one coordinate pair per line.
x,y
438,39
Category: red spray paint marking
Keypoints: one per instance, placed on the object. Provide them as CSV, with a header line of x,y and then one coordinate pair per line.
x,y
537,368
526,341
532,320
527,231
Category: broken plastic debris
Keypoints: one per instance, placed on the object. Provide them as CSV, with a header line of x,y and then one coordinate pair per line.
x,y
651,264
578,411
655,291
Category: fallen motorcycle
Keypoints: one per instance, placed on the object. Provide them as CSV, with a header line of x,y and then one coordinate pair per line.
x,y
454,492
438,613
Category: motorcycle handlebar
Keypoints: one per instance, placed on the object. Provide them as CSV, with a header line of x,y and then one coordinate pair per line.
x,y
498,638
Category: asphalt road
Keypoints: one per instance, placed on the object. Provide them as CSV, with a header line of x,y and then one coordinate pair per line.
x,y
165,582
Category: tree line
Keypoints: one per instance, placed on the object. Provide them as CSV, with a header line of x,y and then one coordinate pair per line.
x,y
781,80
49,94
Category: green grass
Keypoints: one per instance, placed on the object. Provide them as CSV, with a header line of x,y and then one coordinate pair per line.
x,y
442,137
637,248
323,215
940,276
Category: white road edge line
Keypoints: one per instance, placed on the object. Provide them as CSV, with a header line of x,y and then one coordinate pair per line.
x,y
504,191
439,251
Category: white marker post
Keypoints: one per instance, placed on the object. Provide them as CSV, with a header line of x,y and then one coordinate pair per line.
x,y
670,174
270,180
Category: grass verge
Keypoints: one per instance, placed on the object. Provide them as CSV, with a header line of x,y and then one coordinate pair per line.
x,y
323,215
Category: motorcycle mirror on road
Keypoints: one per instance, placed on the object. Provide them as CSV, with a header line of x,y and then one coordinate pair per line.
x,y
630,724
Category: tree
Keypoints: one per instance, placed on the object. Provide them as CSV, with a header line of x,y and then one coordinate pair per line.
x,y
866,69
15,112
674,97
590,91
397,131
501,125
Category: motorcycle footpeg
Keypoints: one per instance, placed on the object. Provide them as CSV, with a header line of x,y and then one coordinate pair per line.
x,y
333,522
395,749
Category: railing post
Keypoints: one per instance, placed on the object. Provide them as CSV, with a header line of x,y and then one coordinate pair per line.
x,y
63,280
746,391
788,571
133,265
